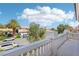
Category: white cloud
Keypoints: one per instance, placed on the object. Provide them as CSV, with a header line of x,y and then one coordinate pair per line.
x,y
45,15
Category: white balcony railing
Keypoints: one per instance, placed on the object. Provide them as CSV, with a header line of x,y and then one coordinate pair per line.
x,y
73,35
45,47
37,48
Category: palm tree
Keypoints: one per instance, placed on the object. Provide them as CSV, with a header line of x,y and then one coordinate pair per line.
x,y
13,24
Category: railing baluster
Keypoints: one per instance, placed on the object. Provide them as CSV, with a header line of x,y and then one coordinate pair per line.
x,y
37,51
42,50
25,54
33,52
48,47
28,53
21,54
45,52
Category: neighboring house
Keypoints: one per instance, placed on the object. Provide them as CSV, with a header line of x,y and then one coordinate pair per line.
x,y
10,30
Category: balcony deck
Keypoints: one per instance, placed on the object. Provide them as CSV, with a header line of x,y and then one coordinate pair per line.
x,y
69,48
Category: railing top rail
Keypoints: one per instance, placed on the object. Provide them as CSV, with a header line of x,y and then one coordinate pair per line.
x,y
73,33
61,35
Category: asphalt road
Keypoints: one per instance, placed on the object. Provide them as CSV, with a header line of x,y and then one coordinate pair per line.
x,y
21,41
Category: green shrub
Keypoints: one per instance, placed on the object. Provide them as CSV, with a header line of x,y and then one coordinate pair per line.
x,y
9,35
18,36
2,37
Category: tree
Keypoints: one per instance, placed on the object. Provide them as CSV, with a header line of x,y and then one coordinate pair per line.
x,y
42,32
35,32
52,28
60,28
13,24
67,26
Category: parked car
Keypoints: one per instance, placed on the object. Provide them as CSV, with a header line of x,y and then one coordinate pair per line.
x,y
8,46
9,39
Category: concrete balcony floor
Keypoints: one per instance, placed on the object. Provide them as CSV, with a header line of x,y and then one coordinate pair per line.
x,y
69,48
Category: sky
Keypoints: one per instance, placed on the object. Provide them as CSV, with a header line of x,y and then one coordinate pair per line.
x,y
48,15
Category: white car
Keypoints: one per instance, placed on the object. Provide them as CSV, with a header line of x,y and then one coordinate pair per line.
x,y
8,46
9,39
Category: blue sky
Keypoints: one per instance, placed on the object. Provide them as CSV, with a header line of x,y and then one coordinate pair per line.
x,y
16,11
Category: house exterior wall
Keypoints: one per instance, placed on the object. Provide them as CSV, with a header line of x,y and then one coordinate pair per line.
x,y
77,11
